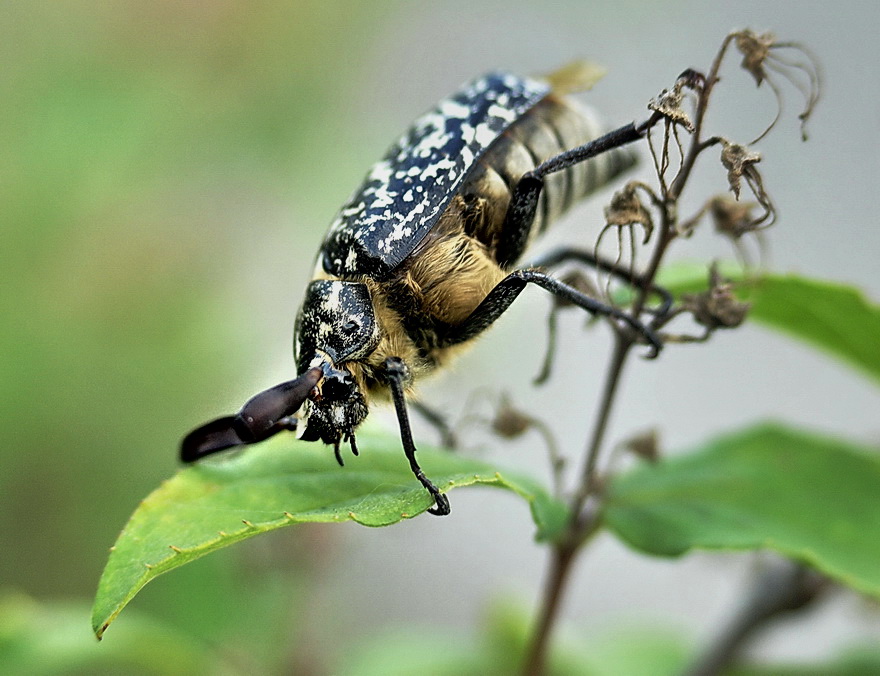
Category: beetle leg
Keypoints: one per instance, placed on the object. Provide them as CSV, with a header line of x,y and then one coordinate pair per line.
x,y
565,254
524,197
396,372
506,291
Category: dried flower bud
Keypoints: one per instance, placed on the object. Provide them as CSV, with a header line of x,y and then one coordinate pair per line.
x,y
717,307
731,217
577,76
509,422
626,209
645,445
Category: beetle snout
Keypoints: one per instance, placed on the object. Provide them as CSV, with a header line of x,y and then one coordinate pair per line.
x,y
337,384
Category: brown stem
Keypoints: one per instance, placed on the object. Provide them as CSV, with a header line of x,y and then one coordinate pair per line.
x,y
784,587
561,558
583,522
702,105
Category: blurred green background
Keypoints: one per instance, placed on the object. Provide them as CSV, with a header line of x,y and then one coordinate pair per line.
x,y
167,171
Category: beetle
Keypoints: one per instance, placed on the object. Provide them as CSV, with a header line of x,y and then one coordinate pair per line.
x,y
422,259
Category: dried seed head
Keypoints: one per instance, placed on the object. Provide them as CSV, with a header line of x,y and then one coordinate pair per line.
x,y
738,160
755,50
626,209
717,307
669,105
740,164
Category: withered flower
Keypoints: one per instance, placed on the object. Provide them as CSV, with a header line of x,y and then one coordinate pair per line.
x,y
626,210
763,58
717,307
740,164
669,105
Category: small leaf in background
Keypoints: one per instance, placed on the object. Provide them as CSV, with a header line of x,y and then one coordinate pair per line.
x,y
860,661
806,496
280,483
52,638
499,647
834,317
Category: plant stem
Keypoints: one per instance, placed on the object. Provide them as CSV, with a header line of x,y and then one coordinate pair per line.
x,y
784,587
583,522
564,552
561,558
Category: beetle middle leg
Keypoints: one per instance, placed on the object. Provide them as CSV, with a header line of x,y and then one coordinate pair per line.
x,y
506,291
563,255
567,254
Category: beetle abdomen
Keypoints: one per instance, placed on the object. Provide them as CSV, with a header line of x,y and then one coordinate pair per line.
x,y
553,126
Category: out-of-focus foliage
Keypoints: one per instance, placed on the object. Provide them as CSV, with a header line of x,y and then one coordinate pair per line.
x,y
151,155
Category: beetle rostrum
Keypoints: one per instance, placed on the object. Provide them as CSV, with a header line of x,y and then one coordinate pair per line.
x,y
422,259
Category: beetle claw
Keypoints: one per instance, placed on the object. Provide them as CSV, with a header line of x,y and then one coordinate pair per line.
x,y
441,507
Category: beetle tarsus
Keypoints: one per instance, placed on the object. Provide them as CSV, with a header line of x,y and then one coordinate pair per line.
x,y
441,501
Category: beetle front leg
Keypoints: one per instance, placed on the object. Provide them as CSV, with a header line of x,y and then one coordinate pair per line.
x,y
397,373
507,290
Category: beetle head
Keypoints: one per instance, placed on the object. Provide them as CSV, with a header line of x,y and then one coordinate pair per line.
x,y
336,325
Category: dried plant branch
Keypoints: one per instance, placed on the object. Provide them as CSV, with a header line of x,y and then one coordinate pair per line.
x,y
678,113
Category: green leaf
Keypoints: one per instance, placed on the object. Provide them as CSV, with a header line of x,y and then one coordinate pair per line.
x,y
809,497
834,317
280,483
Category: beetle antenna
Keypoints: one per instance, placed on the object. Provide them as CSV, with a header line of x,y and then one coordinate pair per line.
x,y
397,372
262,416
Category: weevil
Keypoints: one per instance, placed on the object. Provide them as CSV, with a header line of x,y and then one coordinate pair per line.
x,y
422,259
